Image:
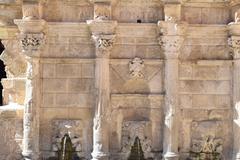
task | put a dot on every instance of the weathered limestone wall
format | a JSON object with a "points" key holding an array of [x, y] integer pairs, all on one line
{"points": [[205, 101], [67, 84], [11, 129], [170, 80]]}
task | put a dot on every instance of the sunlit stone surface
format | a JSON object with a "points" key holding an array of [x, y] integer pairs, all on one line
{"points": [[120, 79]]}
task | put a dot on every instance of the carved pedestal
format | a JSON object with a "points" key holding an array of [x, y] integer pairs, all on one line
{"points": [[234, 42], [31, 41], [171, 42]]}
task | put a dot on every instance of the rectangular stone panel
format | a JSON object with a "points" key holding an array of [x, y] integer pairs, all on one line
{"points": [[205, 87], [68, 70], [48, 99], [136, 100], [147, 10], [74, 100], [205, 70], [48, 70], [199, 15], [55, 85], [88, 70], [185, 101], [77, 85]]}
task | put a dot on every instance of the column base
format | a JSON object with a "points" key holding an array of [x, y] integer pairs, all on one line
{"points": [[171, 156], [29, 155], [236, 156], [100, 156]]}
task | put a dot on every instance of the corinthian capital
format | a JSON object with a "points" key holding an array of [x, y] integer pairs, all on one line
{"points": [[31, 36], [234, 44], [171, 45], [31, 43], [104, 44]]}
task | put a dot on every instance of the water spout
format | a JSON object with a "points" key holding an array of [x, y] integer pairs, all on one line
{"points": [[136, 151], [66, 152]]}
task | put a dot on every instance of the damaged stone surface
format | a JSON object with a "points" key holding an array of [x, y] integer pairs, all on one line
{"points": [[108, 72]]}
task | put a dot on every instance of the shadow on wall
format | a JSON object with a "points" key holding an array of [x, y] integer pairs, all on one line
{"points": [[2, 72]]}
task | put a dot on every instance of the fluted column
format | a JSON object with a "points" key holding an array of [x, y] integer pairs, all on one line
{"points": [[234, 42], [171, 41], [31, 38]]}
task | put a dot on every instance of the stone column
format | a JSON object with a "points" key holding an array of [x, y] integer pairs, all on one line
{"points": [[171, 41], [31, 38], [234, 42], [101, 125], [103, 34]]}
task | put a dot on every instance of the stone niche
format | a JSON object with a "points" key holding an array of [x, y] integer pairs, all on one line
{"points": [[77, 131], [206, 140], [133, 129]]}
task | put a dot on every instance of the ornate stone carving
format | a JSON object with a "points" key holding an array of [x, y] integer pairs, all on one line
{"points": [[171, 19], [206, 138], [207, 144], [171, 45], [103, 43], [234, 44], [31, 42], [208, 147], [136, 68], [73, 128], [133, 129]]}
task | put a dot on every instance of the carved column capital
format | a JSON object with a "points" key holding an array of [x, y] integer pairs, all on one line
{"points": [[31, 43], [171, 45], [171, 37], [234, 40], [234, 44], [31, 36], [103, 44]]}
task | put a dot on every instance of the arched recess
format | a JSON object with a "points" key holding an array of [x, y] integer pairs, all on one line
{"points": [[2, 73]]}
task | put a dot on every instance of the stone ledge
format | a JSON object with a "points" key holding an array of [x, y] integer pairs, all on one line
{"points": [[146, 61], [206, 4], [200, 30], [214, 63], [66, 60], [137, 100], [11, 110]]}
